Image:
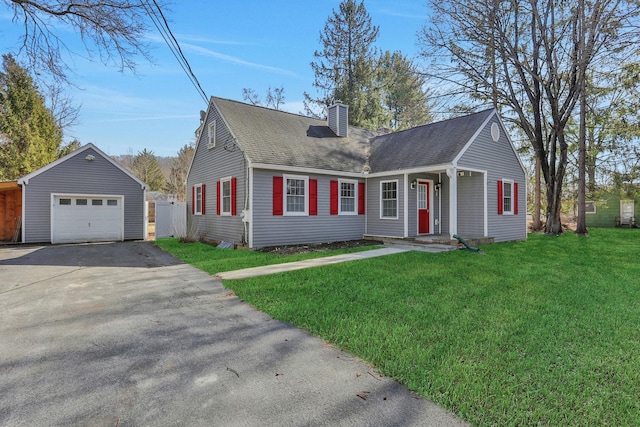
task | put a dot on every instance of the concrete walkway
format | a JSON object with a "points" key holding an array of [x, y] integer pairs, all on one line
{"points": [[298, 265]]}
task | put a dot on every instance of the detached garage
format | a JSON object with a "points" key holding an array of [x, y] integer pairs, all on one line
{"points": [[82, 197]]}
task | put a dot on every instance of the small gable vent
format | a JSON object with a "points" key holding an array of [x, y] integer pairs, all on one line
{"points": [[338, 119]]}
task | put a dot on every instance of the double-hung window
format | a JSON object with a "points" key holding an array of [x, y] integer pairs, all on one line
{"points": [[348, 197], [198, 199], [389, 199], [296, 194], [507, 197], [225, 185], [211, 133]]}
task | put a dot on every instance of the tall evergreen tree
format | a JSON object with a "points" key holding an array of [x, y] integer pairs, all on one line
{"points": [[344, 68], [31, 137], [146, 167], [403, 92]]}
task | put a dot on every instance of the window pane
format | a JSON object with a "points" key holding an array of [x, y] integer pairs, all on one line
{"points": [[389, 199], [198, 199], [112, 203], [226, 196], [81, 202], [96, 202], [295, 195], [348, 197], [506, 197], [65, 202]]}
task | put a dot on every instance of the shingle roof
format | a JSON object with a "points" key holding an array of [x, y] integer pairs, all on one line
{"points": [[431, 144], [284, 139]]}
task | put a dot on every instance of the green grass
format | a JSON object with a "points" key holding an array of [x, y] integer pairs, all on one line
{"points": [[542, 332], [213, 260]]}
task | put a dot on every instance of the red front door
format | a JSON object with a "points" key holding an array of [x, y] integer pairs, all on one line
{"points": [[423, 208]]}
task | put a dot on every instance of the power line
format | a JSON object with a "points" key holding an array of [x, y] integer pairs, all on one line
{"points": [[162, 26]]}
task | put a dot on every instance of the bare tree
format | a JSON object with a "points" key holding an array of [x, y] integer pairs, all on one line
{"points": [[112, 30], [274, 98], [251, 96], [530, 58]]}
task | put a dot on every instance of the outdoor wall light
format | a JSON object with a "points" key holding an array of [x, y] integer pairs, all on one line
{"points": [[413, 184], [438, 185]]}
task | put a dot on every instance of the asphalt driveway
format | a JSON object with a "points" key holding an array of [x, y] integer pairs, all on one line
{"points": [[123, 334]]}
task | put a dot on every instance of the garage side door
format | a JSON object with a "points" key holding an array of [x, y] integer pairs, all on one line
{"points": [[76, 219]]}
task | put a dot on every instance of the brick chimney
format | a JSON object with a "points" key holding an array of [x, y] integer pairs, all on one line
{"points": [[338, 119]]}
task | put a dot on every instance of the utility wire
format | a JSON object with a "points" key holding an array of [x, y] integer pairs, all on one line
{"points": [[162, 26]]}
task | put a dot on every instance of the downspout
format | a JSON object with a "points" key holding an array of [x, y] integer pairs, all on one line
{"points": [[24, 204], [486, 207], [406, 205], [440, 203], [452, 173]]}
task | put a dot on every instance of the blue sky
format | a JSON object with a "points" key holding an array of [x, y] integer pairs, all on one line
{"points": [[230, 45]]}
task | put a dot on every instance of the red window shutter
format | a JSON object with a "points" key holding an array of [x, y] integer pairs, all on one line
{"points": [[361, 199], [277, 195], [217, 197], [233, 196], [333, 200], [193, 200], [313, 197], [203, 199], [515, 198], [500, 202]]}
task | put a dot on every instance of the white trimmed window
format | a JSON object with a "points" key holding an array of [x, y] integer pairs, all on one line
{"points": [[211, 133], [348, 197], [389, 199], [296, 195], [507, 197], [225, 189], [589, 207], [197, 189]]}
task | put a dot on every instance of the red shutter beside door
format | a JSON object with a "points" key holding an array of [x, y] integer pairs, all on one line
{"points": [[313, 197], [233, 196], [193, 200], [277, 195], [361, 199], [500, 197], [515, 198], [333, 201]]}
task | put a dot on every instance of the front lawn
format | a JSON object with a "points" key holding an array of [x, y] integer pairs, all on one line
{"points": [[542, 332], [213, 260]]}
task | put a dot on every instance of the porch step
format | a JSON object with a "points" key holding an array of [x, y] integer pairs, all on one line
{"points": [[437, 242], [419, 245]]}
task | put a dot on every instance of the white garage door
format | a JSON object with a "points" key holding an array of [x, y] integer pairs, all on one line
{"points": [[87, 219]]}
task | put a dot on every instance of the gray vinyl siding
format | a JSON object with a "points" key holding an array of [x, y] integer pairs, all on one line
{"points": [[275, 230], [79, 176], [501, 162], [386, 227], [471, 205], [208, 167]]}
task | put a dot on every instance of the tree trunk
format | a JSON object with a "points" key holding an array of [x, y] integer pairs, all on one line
{"points": [[537, 199], [581, 225]]}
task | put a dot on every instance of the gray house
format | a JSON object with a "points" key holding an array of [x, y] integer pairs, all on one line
{"points": [[84, 196], [262, 177]]}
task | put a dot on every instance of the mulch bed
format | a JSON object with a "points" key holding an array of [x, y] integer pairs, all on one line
{"points": [[317, 247]]}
